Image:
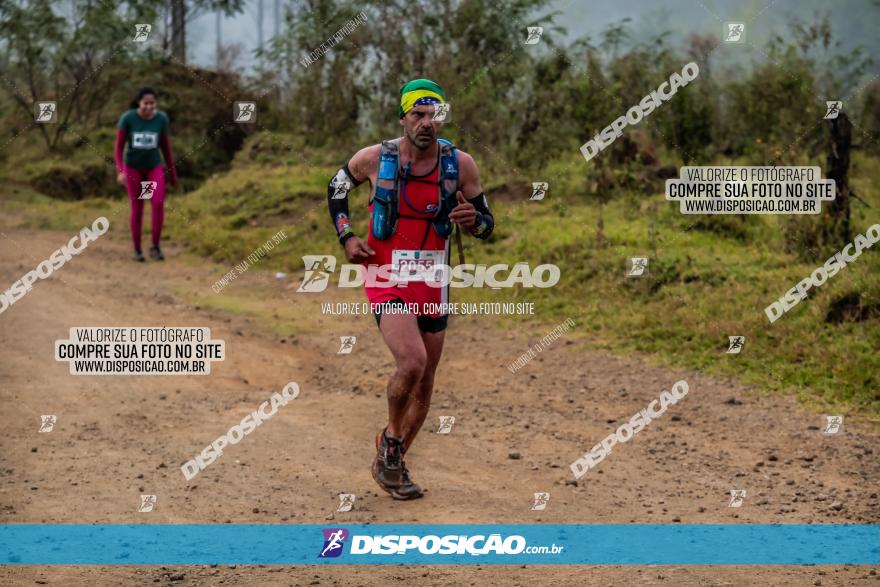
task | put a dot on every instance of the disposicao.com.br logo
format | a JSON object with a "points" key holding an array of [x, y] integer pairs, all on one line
{"points": [[428, 267], [431, 544]]}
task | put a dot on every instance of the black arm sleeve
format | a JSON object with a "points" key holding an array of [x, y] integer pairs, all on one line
{"points": [[337, 202], [482, 228]]}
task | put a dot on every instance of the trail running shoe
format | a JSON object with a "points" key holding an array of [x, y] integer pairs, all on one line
{"points": [[390, 471], [156, 254], [408, 488], [387, 463], [138, 256]]}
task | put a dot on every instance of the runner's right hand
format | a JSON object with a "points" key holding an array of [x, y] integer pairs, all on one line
{"points": [[357, 250], [120, 178]]}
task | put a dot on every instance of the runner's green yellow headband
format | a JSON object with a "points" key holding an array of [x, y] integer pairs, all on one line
{"points": [[418, 92]]}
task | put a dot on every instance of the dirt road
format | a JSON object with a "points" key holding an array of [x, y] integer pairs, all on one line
{"points": [[121, 436]]}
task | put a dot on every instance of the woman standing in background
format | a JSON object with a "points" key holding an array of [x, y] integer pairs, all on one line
{"points": [[145, 128]]}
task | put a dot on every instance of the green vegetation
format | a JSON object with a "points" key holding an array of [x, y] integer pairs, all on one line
{"points": [[709, 278], [522, 112]]}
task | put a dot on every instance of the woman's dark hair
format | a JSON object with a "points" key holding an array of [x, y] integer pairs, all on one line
{"points": [[136, 102]]}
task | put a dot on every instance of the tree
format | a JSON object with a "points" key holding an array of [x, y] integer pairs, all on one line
{"points": [[183, 11], [66, 57]]}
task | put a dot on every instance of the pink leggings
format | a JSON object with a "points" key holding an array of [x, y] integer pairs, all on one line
{"points": [[133, 179]]}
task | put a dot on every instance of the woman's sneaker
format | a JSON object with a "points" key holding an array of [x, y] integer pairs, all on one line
{"points": [[138, 256], [156, 254]]}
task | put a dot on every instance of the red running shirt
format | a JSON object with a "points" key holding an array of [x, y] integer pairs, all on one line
{"points": [[414, 235]]}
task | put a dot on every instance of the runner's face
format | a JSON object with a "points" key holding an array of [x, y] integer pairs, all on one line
{"points": [[421, 131], [147, 106]]}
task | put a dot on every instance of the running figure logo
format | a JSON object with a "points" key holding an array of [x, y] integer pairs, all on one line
{"points": [[47, 423], [534, 36], [346, 344], [832, 424], [142, 32], [245, 112], [341, 185], [833, 107], [734, 32], [637, 266], [334, 540], [441, 111], [147, 503], [541, 501], [44, 112], [736, 344], [148, 188], [318, 270], [446, 423], [736, 498], [539, 190], [346, 502]]}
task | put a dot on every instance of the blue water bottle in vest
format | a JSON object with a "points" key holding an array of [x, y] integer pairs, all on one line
{"points": [[384, 219]]}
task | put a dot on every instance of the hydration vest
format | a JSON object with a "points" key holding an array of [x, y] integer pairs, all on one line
{"points": [[386, 200]]}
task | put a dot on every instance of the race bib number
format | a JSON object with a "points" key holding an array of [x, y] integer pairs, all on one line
{"points": [[144, 140], [416, 265]]}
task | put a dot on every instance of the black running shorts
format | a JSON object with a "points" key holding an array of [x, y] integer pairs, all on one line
{"points": [[426, 323]]}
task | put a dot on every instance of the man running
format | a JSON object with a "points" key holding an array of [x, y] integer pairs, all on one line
{"points": [[420, 187]]}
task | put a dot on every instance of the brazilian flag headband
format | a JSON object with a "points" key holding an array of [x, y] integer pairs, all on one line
{"points": [[418, 92]]}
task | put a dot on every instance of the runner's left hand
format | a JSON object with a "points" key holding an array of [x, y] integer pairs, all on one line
{"points": [[465, 215]]}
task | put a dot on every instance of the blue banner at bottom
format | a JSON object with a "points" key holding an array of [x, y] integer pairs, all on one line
{"points": [[536, 544]]}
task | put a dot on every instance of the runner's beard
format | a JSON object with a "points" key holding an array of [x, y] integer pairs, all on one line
{"points": [[421, 140]]}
